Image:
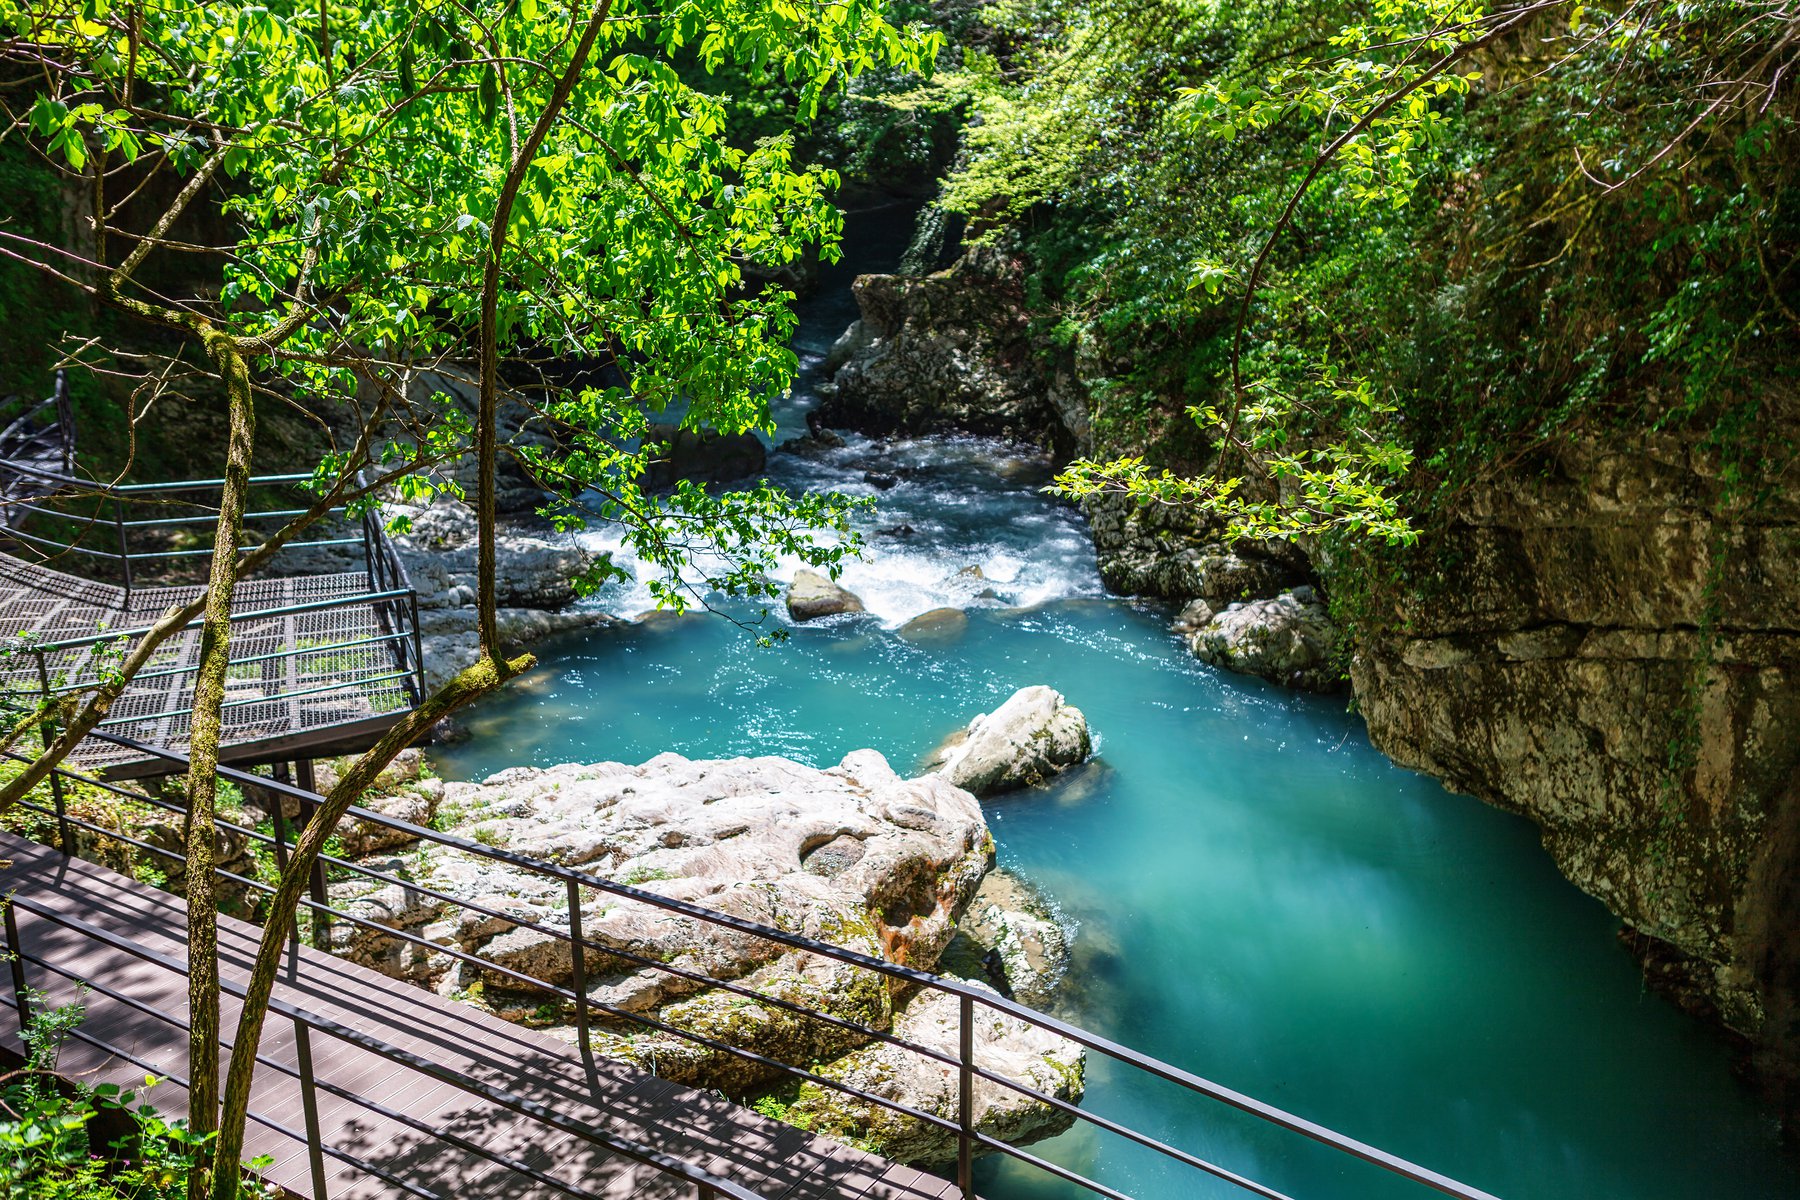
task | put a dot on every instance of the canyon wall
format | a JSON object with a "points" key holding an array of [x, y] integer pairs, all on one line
{"points": [[1609, 647]]}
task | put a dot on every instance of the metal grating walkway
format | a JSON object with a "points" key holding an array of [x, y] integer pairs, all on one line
{"points": [[316, 660]]}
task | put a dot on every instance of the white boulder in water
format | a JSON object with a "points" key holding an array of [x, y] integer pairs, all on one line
{"points": [[1287, 640], [1025, 741], [812, 595]]}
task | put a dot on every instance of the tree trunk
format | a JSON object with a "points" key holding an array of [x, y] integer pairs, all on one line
{"points": [[203, 763], [471, 684]]}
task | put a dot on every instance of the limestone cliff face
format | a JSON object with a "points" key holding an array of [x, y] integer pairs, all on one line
{"points": [[1553, 670], [950, 353], [1558, 669]]}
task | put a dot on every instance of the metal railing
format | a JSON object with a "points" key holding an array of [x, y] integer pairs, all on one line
{"points": [[351, 642], [707, 1186], [971, 999], [119, 530], [391, 654]]}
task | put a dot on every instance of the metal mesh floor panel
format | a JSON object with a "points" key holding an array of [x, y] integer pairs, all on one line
{"points": [[291, 673]]}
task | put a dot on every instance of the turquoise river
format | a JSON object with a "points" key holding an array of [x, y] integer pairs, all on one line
{"points": [[1255, 893]]}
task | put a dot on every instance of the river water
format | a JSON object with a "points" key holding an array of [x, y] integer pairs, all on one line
{"points": [[1255, 894]]}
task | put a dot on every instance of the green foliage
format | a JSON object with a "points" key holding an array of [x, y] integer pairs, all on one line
{"points": [[1525, 224], [363, 166], [49, 1147]]}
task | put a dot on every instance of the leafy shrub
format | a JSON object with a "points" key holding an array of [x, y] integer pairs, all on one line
{"points": [[54, 1142]]}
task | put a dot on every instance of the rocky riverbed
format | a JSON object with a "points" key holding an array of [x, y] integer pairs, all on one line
{"points": [[854, 855]]}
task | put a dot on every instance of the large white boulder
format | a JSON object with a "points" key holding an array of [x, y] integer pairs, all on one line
{"points": [[1025, 741]]}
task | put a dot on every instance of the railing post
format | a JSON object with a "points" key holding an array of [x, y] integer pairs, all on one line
{"points": [[124, 545], [965, 1101], [321, 927], [412, 598], [579, 956], [15, 950], [47, 731], [278, 823], [368, 536], [315, 1151]]}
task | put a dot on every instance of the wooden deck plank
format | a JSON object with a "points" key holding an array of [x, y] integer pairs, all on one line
{"points": [[770, 1158]]}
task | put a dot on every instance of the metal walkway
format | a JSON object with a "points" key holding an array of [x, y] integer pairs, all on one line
{"points": [[410, 1094], [322, 662]]}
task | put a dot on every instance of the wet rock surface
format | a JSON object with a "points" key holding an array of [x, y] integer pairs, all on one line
{"points": [[1288, 640], [1025, 741], [812, 596]]}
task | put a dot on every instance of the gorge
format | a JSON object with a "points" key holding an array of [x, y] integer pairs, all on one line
{"points": [[1250, 889]]}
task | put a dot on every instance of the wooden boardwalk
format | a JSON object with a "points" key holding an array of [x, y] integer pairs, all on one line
{"points": [[767, 1157]]}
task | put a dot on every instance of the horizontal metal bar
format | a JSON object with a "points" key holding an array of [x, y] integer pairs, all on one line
{"points": [[1142, 1139], [200, 485], [14, 532], [211, 518], [1044, 1164], [626, 1147], [329, 687], [94, 488], [377, 640], [147, 554], [237, 618]]}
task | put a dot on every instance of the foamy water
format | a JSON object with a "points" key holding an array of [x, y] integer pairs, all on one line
{"points": [[966, 526]]}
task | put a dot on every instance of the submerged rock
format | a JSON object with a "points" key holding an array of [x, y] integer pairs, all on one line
{"points": [[1026, 740], [1012, 940], [1287, 640], [703, 456], [811, 595], [937, 626]]}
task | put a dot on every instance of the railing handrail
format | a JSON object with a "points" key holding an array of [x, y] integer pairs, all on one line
{"points": [[625, 1147], [968, 994], [253, 614], [99, 488]]}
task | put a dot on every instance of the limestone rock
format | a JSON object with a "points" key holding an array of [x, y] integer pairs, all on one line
{"points": [[854, 856], [811, 595], [1005, 1045], [1026, 740], [1287, 640]]}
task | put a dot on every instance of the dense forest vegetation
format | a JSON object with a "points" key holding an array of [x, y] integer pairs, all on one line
{"points": [[1585, 217]]}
